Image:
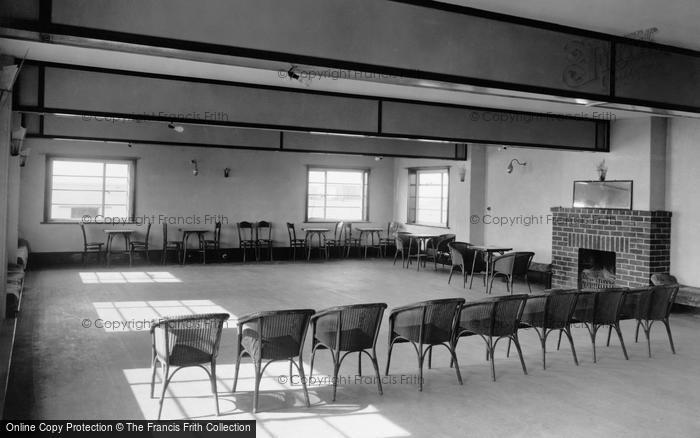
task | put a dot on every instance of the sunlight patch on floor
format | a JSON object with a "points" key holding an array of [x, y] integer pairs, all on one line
{"points": [[111, 277]]}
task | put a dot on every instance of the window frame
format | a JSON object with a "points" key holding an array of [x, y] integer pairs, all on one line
{"points": [[365, 193], [48, 184], [412, 201]]}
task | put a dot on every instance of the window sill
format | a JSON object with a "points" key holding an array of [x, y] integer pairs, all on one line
{"points": [[429, 226]]}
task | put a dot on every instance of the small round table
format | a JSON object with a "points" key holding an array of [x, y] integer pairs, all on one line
{"points": [[320, 233], [126, 234]]}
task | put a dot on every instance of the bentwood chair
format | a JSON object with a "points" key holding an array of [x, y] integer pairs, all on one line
{"points": [[90, 247], [246, 237], [336, 242], [212, 244], [547, 313], [263, 238], [661, 300], [272, 336], [140, 245], [186, 341], [458, 257], [492, 319], [402, 241], [294, 242], [425, 325], [436, 249], [347, 329], [391, 231], [599, 308], [351, 242], [170, 245]]}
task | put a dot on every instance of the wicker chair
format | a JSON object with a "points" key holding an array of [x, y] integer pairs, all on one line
{"points": [[186, 341], [348, 329], [273, 335], [427, 323], [478, 264], [436, 249], [294, 242], [598, 308], [547, 313], [90, 247], [402, 241], [635, 305], [661, 300], [141, 245], [498, 318], [170, 245], [263, 239], [511, 265], [459, 257]]}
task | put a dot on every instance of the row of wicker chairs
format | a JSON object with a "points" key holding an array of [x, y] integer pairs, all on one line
{"points": [[280, 335]]}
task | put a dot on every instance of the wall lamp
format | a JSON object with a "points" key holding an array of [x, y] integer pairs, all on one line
{"points": [[177, 128], [195, 169], [227, 171], [509, 169], [16, 140]]}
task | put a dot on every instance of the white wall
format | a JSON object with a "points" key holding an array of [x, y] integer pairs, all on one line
{"points": [[682, 182], [262, 186], [524, 198]]}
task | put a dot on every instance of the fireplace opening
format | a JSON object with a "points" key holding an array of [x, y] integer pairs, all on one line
{"points": [[596, 269]]}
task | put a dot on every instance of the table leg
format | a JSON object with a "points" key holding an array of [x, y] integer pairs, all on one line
{"points": [[109, 250], [185, 237], [127, 240], [203, 246]]}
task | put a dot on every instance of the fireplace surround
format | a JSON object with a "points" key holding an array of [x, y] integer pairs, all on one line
{"points": [[640, 241]]}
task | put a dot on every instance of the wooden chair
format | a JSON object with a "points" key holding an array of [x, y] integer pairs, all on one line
{"points": [[246, 237], [351, 242], [391, 231], [425, 324], [212, 244], [141, 245], [295, 242], [170, 245], [186, 341], [402, 242], [336, 242], [263, 238], [548, 313], [347, 329], [273, 336], [90, 247], [492, 319]]}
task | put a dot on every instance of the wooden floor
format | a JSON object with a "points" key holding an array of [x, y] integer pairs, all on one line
{"points": [[63, 370]]}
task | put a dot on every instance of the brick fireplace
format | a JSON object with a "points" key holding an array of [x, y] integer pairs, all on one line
{"points": [[640, 241]]}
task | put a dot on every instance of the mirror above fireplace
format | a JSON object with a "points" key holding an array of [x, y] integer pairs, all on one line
{"points": [[603, 194]]}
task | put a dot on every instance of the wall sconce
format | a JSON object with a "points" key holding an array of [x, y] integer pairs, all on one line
{"points": [[509, 169], [16, 141], [177, 128], [23, 157], [462, 173], [195, 169], [227, 171]]}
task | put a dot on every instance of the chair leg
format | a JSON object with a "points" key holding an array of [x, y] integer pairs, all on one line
{"points": [[164, 387], [527, 280], [670, 337], [456, 364], [559, 341], [359, 363], [336, 368], [489, 353], [592, 332], [311, 365], [647, 330], [153, 375], [430, 357], [258, 377], [300, 367], [609, 333], [622, 342], [567, 330], [373, 356], [214, 390], [420, 366], [636, 331], [450, 277], [388, 358], [520, 352], [235, 373]]}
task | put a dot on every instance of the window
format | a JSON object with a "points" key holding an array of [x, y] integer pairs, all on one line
{"points": [[428, 191], [337, 194], [77, 188]]}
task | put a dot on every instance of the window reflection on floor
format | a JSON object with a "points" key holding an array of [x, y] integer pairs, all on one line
{"points": [[110, 277], [125, 316], [282, 408]]}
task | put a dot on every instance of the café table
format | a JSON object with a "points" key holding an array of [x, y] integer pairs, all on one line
{"points": [[199, 232], [320, 233], [420, 240], [126, 235], [369, 233], [488, 251]]}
